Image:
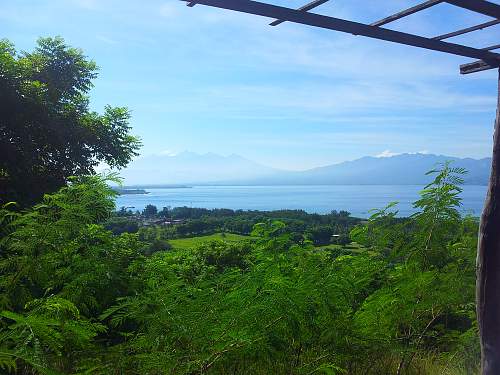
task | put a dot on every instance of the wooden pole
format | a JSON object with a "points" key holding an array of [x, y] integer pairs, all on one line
{"points": [[488, 264]]}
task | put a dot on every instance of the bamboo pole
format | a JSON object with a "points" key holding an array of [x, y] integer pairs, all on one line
{"points": [[488, 264]]}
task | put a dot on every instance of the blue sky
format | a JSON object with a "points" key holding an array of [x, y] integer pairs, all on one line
{"points": [[209, 80]]}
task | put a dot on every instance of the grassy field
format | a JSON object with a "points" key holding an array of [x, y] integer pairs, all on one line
{"points": [[190, 242], [353, 247]]}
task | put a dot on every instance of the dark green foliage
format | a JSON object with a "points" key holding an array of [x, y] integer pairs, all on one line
{"points": [[342, 240], [320, 235], [47, 131], [60, 269], [157, 245], [121, 224], [150, 211], [51, 330]]}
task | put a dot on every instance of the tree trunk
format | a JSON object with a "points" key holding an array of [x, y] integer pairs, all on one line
{"points": [[488, 264]]}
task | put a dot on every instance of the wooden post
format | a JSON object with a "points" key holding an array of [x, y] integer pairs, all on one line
{"points": [[488, 264]]}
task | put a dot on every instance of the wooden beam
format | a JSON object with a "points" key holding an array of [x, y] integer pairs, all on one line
{"points": [[305, 8], [479, 6], [488, 264], [356, 28], [467, 30], [478, 66], [407, 12], [491, 48]]}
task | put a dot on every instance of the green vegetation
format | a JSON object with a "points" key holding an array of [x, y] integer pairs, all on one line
{"points": [[192, 242], [180, 222], [88, 290], [78, 299]]}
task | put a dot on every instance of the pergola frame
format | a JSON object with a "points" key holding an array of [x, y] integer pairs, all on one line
{"points": [[488, 255]]}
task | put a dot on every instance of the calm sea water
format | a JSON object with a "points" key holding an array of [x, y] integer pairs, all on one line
{"points": [[357, 199]]}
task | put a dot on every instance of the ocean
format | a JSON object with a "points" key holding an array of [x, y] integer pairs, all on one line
{"points": [[357, 199]]}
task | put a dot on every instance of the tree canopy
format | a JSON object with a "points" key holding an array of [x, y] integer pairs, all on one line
{"points": [[47, 130]]}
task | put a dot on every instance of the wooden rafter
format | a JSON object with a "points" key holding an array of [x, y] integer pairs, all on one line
{"points": [[479, 6], [406, 12], [467, 30], [491, 48], [476, 66], [305, 8]]}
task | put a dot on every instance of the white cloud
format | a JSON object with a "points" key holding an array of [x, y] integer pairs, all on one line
{"points": [[386, 154], [389, 153]]}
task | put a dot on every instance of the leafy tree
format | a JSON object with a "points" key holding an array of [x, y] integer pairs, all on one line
{"points": [[150, 211], [342, 240], [59, 270], [438, 220], [47, 131], [428, 299], [124, 211], [321, 234], [121, 224], [51, 327], [165, 212]]}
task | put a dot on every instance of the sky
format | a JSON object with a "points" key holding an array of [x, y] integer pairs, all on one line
{"points": [[293, 97]]}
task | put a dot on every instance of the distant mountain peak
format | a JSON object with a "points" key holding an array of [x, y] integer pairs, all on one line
{"points": [[190, 167], [390, 154]]}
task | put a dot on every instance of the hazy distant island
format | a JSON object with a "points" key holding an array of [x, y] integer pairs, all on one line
{"points": [[141, 189], [157, 186], [125, 191]]}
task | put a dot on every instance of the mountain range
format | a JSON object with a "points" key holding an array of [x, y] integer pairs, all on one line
{"points": [[193, 168]]}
